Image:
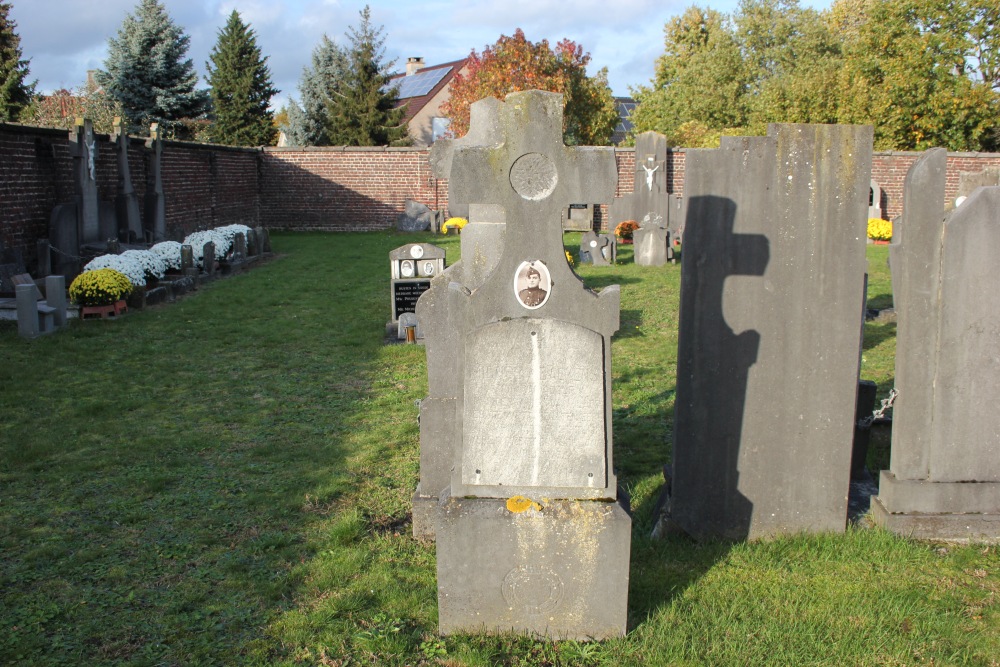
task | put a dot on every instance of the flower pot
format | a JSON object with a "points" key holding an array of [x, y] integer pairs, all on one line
{"points": [[878, 242]]}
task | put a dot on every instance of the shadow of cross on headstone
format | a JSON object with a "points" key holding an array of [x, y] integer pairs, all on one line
{"points": [[537, 378]]}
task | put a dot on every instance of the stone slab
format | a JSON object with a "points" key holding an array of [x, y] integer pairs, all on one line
{"points": [[932, 497], [561, 572], [964, 528]]}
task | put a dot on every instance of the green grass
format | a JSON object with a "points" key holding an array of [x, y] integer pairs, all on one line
{"points": [[226, 480]]}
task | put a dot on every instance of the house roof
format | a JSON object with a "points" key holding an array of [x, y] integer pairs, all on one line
{"points": [[625, 107], [419, 88]]}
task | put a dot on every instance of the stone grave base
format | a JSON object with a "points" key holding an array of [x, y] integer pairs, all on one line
{"points": [[426, 511], [561, 571], [950, 511]]}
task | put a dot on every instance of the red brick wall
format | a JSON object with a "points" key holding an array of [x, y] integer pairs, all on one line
{"points": [[332, 189], [345, 189], [204, 186]]}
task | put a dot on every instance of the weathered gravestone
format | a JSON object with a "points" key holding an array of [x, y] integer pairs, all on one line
{"points": [[156, 212], [531, 538], [943, 480], [83, 148], [127, 202], [651, 242], [772, 290], [649, 199], [482, 244], [412, 267], [417, 217], [874, 200], [598, 249]]}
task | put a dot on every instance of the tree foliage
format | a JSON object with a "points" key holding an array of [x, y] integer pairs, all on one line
{"points": [[15, 92], [306, 124], [364, 111], [147, 73], [514, 63], [241, 88], [923, 72], [63, 107]]}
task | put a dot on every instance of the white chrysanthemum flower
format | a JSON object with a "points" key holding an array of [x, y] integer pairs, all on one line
{"points": [[170, 252], [133, 269], [153, 264]]}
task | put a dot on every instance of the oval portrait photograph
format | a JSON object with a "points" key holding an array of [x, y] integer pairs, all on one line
{"points": [[532, 284]]}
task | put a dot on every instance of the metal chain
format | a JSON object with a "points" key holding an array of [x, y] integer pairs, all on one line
{"points": [[877, 414], [65, 254]]}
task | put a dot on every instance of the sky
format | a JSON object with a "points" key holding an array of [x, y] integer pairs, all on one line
{"points": [[65, 38]]}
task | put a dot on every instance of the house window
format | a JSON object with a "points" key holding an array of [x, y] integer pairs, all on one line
{"points": [[439, 128]]}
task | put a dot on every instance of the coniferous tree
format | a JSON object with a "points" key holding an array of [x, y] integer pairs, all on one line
{"points": [[364, 113], [319, 83], [146, 70], [15, 94], [241, 88]]}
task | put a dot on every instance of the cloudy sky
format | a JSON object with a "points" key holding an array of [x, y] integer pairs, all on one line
{"points": [[65, 38]]}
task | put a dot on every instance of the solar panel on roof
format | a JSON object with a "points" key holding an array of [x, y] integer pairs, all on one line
{"points": [[419, 84], [625, 110]]}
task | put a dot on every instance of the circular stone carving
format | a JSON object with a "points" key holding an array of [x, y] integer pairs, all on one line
{"points": [[533, 176], [532, 589]]}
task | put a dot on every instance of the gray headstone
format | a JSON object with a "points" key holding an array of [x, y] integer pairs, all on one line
{"points": [[187, 257], [239, 247], [27, 311], [649, 195], [155, 222], [772, 291], [874, 200], [208, 258], [55, 297], [407, 320], [598, 249], [944, 476], [412, 268], [651, 242], [534, 401], [579, 218], [64, 236], [968, 182], [265, 240], [127, 202], [83, 148]]}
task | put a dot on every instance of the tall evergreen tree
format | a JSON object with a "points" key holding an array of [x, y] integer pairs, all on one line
{"points": [[241, 88], [15, 94], [319, 83], [365, 113], [146, 70]]}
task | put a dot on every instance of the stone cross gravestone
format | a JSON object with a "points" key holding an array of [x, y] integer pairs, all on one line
{"points": [[531, 538], [598, 249], [649, 198], [943, 481], [651, 242], [127, 202], [83, 148], [772, 292], [875, 200], [412, 267]]}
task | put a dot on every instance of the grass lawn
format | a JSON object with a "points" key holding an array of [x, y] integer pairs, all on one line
{"points": [[226, 480]]}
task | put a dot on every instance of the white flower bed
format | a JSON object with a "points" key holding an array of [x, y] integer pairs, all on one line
{"points": [[170, 252], [230, 232], [151, 262], [133, 269], [197, 241]]}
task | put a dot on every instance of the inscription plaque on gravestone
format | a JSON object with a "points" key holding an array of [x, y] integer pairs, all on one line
{"points": [[412, 267]]}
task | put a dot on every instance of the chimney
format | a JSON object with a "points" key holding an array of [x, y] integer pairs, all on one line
{"points": [[414, 65]]}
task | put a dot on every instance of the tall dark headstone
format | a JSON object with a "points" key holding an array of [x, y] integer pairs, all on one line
{"points": [[155, 222], [83, 148], [943, 480], [126, 202], [531, 538], [649, 199], [772, 289]]}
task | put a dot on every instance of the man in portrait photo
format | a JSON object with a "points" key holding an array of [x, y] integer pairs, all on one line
{"points": [[532, 295]]}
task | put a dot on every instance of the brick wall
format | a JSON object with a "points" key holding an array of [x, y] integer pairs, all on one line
{"points": [[204, 186], [330, 189], [345, 189]]}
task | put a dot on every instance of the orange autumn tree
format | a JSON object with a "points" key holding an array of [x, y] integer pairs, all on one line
{"points": [[514, 64]]}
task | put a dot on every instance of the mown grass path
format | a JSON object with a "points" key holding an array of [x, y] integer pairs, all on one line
{"points": [[226, 480]]}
